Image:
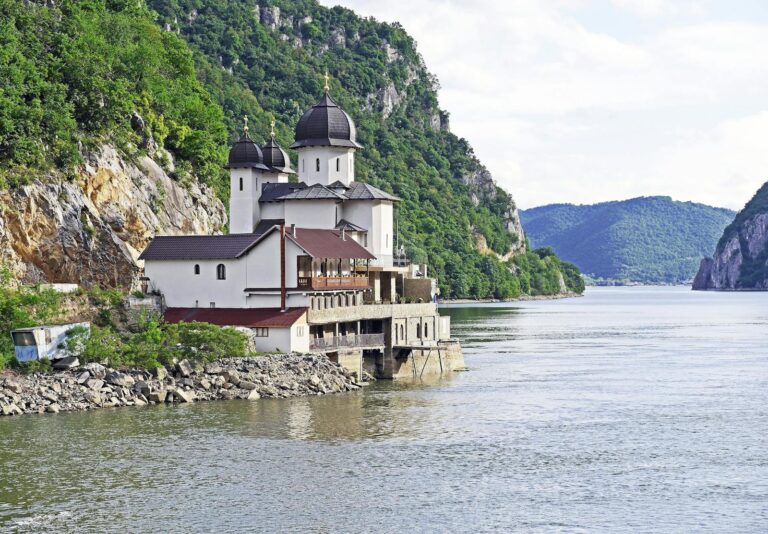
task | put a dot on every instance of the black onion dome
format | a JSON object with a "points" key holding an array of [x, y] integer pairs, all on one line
{"points": [[276, 158], [325, 124], [246, 154]]}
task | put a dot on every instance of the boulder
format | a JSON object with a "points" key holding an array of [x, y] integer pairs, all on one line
{"points": [[96, 369], [231, 376], [213, 368], [13, 384], [184, 368], [244, 384], [160, 373], [69, 362], [158, 396], [184, 395], [53, 408], [51, 396], [254, 395], [94, 384], [116, 378], [142, 387], [83, 377]]}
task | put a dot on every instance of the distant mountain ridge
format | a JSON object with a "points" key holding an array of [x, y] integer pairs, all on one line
{"points": [[741, 258], [641, 240]]}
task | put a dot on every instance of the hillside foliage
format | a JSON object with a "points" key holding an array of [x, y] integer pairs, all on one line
{"points": [[73, 74], [645, 240]]}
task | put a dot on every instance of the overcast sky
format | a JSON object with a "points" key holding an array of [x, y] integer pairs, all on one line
{"points": [[585, 101]]}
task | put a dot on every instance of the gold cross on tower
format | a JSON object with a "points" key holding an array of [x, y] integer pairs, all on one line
{"points": [[245, 124], [327, 81], [272, 128]]}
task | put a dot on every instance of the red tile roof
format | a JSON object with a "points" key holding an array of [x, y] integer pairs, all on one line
{"points": [[250, 317], [328, 244]]}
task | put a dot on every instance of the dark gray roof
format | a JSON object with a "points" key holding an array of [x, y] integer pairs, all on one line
{"points": [[273, 191], [266, 224], [361, 191], [350, 227], [338, 184], [199, 247], [276, 158], [246, 154], [325, 124], [313, 192]]}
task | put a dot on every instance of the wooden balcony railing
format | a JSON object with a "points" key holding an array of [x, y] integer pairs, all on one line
{"points": [[333, 282], [350, 341]]}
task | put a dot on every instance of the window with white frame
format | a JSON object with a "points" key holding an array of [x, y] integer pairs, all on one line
{"points": [[300, 331], [261, 332]]}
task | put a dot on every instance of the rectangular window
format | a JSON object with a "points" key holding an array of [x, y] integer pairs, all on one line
{"points": [[24, 339], [241, 184], [300, 331], [338, 162], [261, 332], [213, 304]]}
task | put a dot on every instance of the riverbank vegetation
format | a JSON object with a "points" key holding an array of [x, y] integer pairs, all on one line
{"points": [[118, 337]]}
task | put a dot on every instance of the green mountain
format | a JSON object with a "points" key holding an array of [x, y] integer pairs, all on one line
{"points": [[646, 240], [115, 119], [741, 257]]}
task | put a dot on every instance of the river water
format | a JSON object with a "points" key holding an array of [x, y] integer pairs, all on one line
{"points": [[626, 410]]}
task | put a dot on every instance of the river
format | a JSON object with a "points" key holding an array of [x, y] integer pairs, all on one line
{"points": [[626, 410]]}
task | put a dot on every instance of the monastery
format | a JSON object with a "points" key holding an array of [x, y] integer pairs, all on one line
{"points": [[310, 264]]}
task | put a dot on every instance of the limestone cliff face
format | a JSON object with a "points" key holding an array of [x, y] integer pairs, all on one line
{"points": [[741, 257], [483, 189], [91, 230]]}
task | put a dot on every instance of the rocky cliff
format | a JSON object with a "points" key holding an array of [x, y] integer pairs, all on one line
{"points": [[741, 258], [91, 230]]}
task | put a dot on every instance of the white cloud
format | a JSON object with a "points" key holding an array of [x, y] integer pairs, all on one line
{"points": [[565, 105]]}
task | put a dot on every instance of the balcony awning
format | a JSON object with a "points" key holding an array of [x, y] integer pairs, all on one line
{"points": [[328, 244]]}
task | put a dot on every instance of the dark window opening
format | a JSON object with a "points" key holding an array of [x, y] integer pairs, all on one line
{"points": [[338, 164], [197, 269], [241, 184], [317, 164], [221, 272]]}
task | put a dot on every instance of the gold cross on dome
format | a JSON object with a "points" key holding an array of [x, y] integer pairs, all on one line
{"points": [[327, 81], [245, 124], [272, 128]]}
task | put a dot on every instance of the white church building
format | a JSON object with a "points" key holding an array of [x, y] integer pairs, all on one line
{"points": [[309, 263]]}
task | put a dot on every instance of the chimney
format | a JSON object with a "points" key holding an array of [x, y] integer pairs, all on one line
{"points": [[343, 234], [293, 230], [282, 267]]}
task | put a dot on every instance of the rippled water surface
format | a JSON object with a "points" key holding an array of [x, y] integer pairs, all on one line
{"points": [[627, 410]]}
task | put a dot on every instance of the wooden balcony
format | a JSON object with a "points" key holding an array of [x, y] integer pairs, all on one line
{"points": [[333, 282]]}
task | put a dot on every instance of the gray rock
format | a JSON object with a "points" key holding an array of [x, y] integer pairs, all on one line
{"points": [[213, 368], [96, 369], [158, 396], [116, 378], [53, 408], [69, 362], [205, 384], [184, 395], [83, 377], [13, 384], [142, 387], [254, 395], [184, 368], [159, 373], [51, 396], [93, 397], [94, 383], [244, 384]]}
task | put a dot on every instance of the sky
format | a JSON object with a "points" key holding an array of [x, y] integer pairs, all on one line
{"points": [[586, 101]]}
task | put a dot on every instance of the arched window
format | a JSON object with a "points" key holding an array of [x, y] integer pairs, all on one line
{"points": [[241, 184], [338, 164], [317, 164], [197, 269], [402, 332], [221, 272], [426, 331]]}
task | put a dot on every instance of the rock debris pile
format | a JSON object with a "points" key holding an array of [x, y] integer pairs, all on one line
{"points": [[95, 386]]}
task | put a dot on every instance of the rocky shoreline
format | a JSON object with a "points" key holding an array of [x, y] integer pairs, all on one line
{"points": [[95, 386]]}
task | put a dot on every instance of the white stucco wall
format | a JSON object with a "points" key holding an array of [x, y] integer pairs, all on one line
{"points": [[272, 210], [328, 174], [312, 213], [377, 217], [182, 288], [243, 205]]}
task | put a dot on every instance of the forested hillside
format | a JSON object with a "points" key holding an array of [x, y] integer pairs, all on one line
{"points": [[647, 240], [168, 83]]}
